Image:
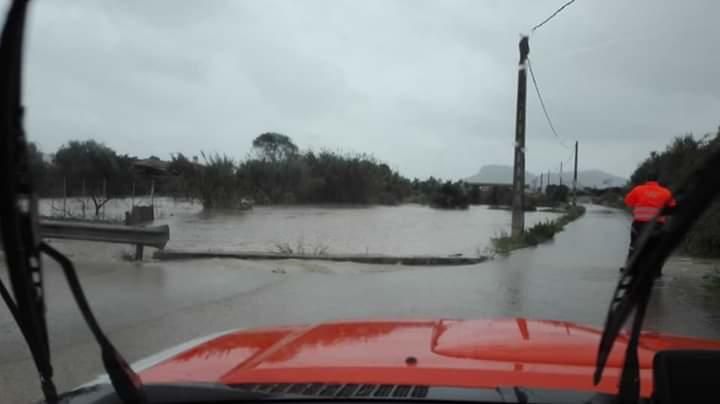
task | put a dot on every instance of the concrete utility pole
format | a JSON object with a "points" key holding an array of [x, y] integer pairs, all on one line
{"points": [[560, 175], [518, 201], [574, 199]]}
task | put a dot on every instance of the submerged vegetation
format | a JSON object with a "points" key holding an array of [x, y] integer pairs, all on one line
{"points": [[537, 234], [301, 249]]}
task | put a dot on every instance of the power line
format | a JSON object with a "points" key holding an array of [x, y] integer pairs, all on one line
{"points": [[552, 15], [542, 104]]}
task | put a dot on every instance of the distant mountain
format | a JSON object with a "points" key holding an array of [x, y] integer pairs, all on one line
{"points": [[600, 179], [495, 174], [502, 175]]}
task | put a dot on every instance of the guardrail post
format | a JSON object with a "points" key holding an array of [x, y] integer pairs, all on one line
{"points": [[138, 252]]}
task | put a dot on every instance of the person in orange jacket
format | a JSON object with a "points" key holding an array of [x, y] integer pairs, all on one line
{"points": [[647, 201]]}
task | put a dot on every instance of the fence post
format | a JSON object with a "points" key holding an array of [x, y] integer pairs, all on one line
{"points": [[82, 198], [104, 196], [152, 196], [64, 196]]}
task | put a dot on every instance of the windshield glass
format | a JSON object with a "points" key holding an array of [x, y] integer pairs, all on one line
{"points": [[233, 165]]}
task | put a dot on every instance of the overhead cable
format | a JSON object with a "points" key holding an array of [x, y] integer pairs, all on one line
{"points": [[570, 157], [542, 104], [552, 15]]}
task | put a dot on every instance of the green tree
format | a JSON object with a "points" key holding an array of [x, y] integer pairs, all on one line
{"points": [[450, 196], [93, 164], [39, 168], [274, 146], [185, 176], [475, 195], [673, 164], [557, 193]]}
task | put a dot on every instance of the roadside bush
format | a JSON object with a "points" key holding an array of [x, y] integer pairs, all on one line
{"points": [[704, 238], [450, 196], [503, 243], [537, 234], [218, 186], [672, 165], [541, 232]]}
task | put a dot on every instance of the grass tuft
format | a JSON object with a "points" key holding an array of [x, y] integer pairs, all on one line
{"points": [[301, 248]]}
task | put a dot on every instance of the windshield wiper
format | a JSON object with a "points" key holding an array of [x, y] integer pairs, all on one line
{"points": [[19, 226], [17, 204], [634, 288], [125, 381]]}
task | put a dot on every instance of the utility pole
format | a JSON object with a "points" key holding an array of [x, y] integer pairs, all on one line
{"points": [[575, 176], [541, 181], [518, 201], [560, 174]]}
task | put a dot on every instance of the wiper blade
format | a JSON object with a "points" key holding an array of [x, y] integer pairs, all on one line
{"points": [[18, 222], [635, 285]]}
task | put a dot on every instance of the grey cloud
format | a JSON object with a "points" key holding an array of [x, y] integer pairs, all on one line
{"points": [[428, 86]]}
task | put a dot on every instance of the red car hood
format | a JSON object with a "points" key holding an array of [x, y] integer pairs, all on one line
{"points": [[480, 353]]}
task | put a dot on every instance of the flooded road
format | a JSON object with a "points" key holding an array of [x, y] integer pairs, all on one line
{"points": [[151, 306], [394, 230]]}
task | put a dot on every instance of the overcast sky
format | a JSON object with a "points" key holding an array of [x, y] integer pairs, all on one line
{"points": [[427, 86]]}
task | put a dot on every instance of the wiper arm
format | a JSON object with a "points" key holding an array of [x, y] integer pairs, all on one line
{"points": [[125, 381], [635, 285]]}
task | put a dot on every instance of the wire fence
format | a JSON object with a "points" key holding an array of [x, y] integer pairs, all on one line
{"points": [[78, 199]]}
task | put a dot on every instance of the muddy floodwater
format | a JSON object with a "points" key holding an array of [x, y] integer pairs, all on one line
{"points": [[150, 306], [398, 230]]}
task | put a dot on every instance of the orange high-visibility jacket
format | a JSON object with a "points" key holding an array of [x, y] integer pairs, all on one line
{"points": [[647, 200]]}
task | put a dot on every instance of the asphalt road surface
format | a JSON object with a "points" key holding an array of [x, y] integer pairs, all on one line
{"points": [[154, 305]]}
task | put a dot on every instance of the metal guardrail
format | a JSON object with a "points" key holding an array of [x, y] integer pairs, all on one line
{"points": [[153, 236]]}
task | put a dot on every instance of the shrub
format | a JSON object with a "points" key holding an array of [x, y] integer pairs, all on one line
{"points": [[672, 165], [537, 234]]}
